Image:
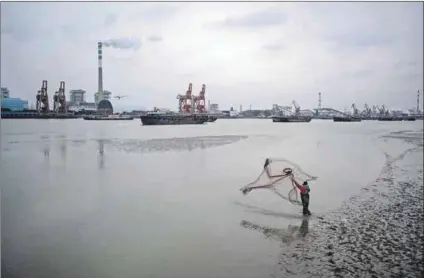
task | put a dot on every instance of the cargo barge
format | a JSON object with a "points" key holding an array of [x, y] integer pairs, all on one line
{"points": [[212, 119], [390, 119], [291, 119], [173, 119], [347, 119], [396, 119], [108, 118], [34, 115]]}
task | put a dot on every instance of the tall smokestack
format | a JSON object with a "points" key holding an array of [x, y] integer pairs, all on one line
{"points": [[99, 55]]}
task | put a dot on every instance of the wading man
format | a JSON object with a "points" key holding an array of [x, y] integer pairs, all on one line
{"points": [[304, 195]]}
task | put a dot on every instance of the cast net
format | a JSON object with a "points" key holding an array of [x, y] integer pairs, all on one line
{"points": [[276, 176]]}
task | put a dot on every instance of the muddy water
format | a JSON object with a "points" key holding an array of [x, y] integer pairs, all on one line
{"points": [[87, 199]]}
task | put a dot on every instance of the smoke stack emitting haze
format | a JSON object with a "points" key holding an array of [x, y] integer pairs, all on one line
{"points": [[122, 43]]}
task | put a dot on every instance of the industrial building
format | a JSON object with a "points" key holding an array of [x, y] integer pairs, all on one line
{"points": [[105, 107], [12, 104], [5, 93], [77, 101], [76, 96], [102, 95]]}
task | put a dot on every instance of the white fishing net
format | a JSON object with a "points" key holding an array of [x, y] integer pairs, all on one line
{"points": [[276, 176]]}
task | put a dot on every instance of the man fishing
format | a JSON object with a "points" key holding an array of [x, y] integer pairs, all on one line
{"points": [[304, 195]]}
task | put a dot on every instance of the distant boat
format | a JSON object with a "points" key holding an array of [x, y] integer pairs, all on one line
{"points": [[108, 118], [173, 119], [291, 119], [32, 114], [390, 118], [212, 119], [347, 119]]}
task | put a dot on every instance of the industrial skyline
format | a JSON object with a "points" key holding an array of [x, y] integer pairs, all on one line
{"points": [[267, 52]]}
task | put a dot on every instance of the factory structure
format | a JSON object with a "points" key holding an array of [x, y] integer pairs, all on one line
{"points": [[102, 97], [60, 104], [188, 103], [12, 103]]}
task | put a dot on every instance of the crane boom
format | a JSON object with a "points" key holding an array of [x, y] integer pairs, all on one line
{"points": [[296, 107]]}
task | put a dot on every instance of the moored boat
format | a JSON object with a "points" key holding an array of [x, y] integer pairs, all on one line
{"points": [[173, 119], [347, 119], [291, 119], [108, 118]]}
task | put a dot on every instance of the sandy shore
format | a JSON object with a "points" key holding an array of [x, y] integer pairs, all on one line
{"points": [[378, 233]]}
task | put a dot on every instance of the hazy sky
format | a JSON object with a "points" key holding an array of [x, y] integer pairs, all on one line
{"points": [[245, 53]]}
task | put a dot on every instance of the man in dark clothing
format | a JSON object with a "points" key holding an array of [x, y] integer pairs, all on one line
{"points": [[304, 195]]}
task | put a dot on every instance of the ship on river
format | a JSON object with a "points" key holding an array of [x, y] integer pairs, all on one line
{"points": [[171, 118], [108, 118], [291, 119], [285, 115], [191, 111], [346, 119]]}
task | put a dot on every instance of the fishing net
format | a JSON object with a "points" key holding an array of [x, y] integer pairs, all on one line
{"points": [[276, 176]]}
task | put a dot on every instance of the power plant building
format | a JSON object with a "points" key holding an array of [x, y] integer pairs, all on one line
{"points": [[105, 107], [104, 95], [76, 97], [77, 101]]}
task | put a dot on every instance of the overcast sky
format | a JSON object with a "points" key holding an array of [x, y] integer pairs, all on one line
{"points": [[246, 53]]}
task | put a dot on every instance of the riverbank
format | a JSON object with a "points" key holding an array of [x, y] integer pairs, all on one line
{"points": [[378, 233]]}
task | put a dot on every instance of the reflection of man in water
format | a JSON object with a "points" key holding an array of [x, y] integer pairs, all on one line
{"points": [[287, 236], [101, 152], [304, 227]]}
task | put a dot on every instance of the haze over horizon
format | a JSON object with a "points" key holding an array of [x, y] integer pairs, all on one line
{"points": [[246, 53]]}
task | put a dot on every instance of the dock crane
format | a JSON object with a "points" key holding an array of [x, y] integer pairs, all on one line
{"points": [[367, 110], [355, 110], [185, 102], [296, 108], [59, 99], [119, 97], [383, 111], [42, 104]]}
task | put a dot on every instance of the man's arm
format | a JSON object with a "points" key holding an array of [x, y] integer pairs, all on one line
{"points": [[301, 187]]}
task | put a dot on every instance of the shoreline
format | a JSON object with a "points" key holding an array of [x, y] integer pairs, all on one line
{"points": [[378, 233]]}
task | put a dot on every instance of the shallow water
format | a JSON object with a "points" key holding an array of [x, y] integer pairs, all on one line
{"points": [[117, 199]]}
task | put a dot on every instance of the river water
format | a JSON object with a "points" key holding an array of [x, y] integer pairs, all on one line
{"points": [[118, 199]]}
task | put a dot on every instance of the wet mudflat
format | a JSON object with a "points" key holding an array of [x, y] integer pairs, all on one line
{"points": [[378, 233], [82, 199]]}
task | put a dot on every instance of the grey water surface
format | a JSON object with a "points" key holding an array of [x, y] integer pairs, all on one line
{"points": [[118, 199]]}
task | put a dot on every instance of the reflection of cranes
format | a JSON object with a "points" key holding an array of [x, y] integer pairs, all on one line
{"points": [[119, 97], [63, 150]]}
